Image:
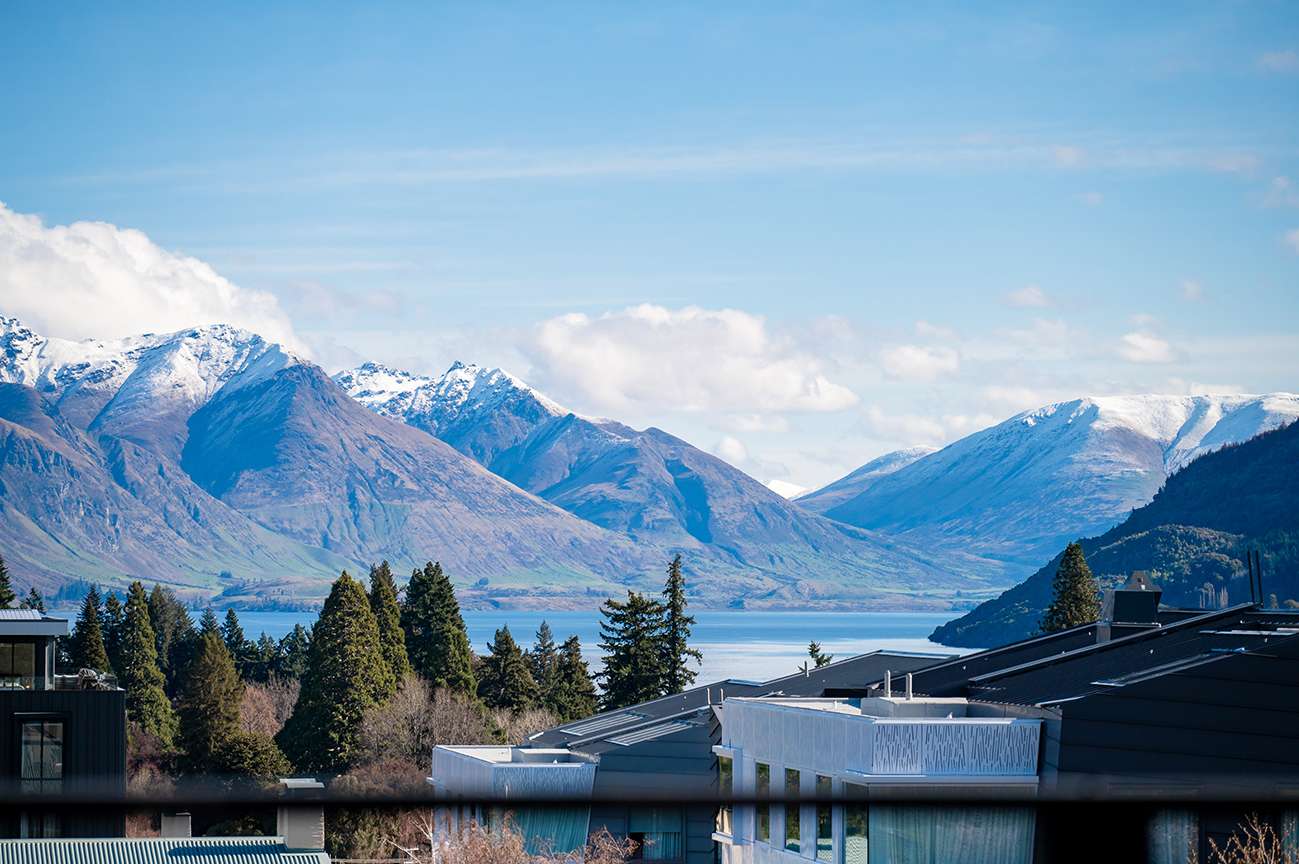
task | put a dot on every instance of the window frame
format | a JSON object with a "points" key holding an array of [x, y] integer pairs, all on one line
{"points": [[793, 779], [762, 810], [43, 785]]}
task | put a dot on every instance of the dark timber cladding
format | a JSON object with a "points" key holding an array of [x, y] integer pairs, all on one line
{"points": [[94, 754]]}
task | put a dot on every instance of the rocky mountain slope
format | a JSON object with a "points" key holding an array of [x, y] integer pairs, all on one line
{"points": [[1015, 493], [856, 482], [1192, 537]]}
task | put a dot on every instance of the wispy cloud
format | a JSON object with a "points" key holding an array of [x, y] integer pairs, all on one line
{"points": [[1143, 346], [1030, 296], [1192, 291], [1279, 61], [1292, 239]]}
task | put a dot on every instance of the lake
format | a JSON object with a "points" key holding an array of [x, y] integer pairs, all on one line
{"points": [[750, 645]]}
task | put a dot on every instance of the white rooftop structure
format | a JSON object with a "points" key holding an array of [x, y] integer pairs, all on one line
{"points": [[498, 773]]}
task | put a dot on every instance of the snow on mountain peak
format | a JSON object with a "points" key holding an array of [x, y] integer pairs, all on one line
{"points": [[189, 365], [432, 403]]}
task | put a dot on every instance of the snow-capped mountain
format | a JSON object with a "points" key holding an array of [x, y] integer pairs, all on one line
{"points": [[1015, 493], [644, 484], [141, 387], [858, 481], [479, 411], [219, 462]]}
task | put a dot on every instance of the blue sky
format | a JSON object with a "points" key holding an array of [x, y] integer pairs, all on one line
{"points": [[797, 236]]}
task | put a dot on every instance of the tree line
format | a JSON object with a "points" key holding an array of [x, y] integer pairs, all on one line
{"points": [[186, 682]]}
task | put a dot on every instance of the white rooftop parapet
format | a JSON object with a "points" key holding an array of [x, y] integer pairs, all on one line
{"points": [[928, 738], [511, 772]]}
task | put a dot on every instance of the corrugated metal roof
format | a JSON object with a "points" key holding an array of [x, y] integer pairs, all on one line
{"points": [[153, 850], [602, 722], [19, 615], [649, 733]]}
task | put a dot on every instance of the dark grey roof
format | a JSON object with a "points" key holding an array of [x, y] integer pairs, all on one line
{"points": [[594, 734], [153, 850]]}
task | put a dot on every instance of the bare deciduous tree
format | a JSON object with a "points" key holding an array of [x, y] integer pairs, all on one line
{"points": [[1253, 842], [517, 726], [419, 842], [266, 706], [415, 719]]}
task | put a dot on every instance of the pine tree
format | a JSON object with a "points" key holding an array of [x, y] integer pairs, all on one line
{"points": [[505, 681], [383, 602], [574, 691], [436, 640], [346, 674], [209, 703], [236, 643], [140, 677], [819, 657], [292, 652], [87, 648], [262, 655], [207, 623], [631, 635], [174, 631], [676, 632], [543, 661], [1075, 598], [114, 626], [34, 600], [7, 596]]}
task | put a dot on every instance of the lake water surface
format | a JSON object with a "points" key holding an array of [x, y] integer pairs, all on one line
{"points": [[751, 645]]}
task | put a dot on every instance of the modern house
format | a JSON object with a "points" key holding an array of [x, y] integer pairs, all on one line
{"points": [[60, 735], [646, 772], [1189, 717]]}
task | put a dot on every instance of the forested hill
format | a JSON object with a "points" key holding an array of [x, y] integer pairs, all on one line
{"points": [[1192, 537]]}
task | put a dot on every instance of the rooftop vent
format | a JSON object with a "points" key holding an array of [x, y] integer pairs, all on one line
{"points": [[1130, 608]]}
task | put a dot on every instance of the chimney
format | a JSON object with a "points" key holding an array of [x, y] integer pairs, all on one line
{"points": [[300, 818], [174, 825], [888, 684], [1130, 609], [908, 686]]}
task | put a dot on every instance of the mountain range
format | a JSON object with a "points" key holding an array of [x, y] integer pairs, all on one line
{"points": [[1192, 537], [1016, 493], [219, 462]]}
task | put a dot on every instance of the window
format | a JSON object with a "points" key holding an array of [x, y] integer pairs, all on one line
{"points": [[17, 665], [763, 774], [42, 757], [725, 785], [823, 823], [657, 833], [854, 824], [793, 836]]}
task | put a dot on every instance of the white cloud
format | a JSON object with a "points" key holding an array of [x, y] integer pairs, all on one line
{"points": [[919, 362], [1192, 290], [785, 489], [1281, 193], [95, 279], [1292, 239], [688, 359], [1030, 296], [908, 430], [731, 449], [1142, 346], [1279, 61], [1013, 398]]}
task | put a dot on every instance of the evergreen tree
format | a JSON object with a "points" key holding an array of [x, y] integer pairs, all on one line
{"points": [[543, 660], [1076, 596], [292, 652], [505, 681], [436, 640], [262, 655], [383, 602], [207, 623], [573, 696], [34, 600], [346, 674], [7, 596], [631, 635], [209, 703], [174, 632], [819, 657], [114, 626], [87, 647], [236, 643], [676, 633], [140, 677]]}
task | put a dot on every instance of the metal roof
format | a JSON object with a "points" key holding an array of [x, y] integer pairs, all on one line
{"points": [[156, 850], [19, 615], [647, 734]]}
